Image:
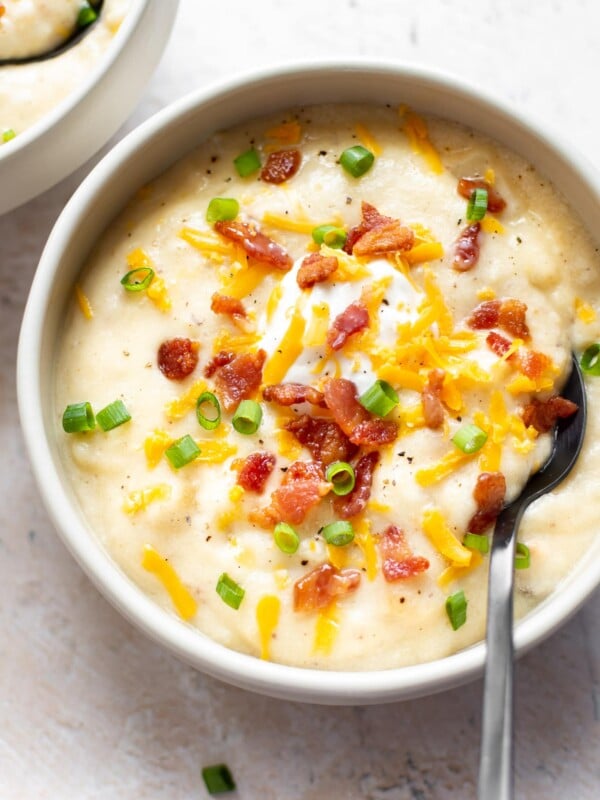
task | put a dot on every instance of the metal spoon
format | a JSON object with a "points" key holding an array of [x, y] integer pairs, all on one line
{"points": [[496, 774], [78, 33]]}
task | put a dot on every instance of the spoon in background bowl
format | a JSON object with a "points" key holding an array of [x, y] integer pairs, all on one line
{"points": [[85, 19], [496, 774]]}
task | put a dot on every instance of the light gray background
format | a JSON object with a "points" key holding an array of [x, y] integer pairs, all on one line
{"points": [[89, 708]]}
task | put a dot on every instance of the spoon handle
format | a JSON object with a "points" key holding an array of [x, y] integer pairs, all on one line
{"points": [[496, 775]]}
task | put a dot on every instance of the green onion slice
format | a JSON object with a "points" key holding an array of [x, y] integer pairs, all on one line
{"points": [[357, 160], [247, 163], [137, 279], [522, 556], [590, 360], [222, 208], [218, 779], [339, 533], [229, 591], [182, 452], [247, 417], [456, 608], [341, 475], [470, 438], [86, 16], [78, 417], [208, 423], [477, 205], [286, 538], [8, 134], [379, 399], [330, 235], [477, 541], [113, 415]]}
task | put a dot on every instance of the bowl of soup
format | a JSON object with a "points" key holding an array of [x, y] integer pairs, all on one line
{"points": [[290, 348]]}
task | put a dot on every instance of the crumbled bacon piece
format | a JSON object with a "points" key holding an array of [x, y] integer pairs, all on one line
{"points": [[281, 166], [255, 244], [354, 420], [237, 377], [302, 487], [532, 363], [177, 358], [488, 493], [433, 410], [507, 314], [349, 505], [353, 319], [323, 437], [499, 344], [389, 238], [466, 252], [255, 470], [291, 394], [230, 306], [485, 315], [496, 202], [371, 218], [398, 562], [315, 268], [322, 585], [543, 414]]}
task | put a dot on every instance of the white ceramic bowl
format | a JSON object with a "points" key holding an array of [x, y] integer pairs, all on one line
{"points": [[78, 126], [140, 157]]}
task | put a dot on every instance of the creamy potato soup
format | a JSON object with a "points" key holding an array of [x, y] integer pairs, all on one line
{"points": [[304, 369], [31, 28]]}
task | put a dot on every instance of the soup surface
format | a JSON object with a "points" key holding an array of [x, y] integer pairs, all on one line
{"points": [[371, 391]]}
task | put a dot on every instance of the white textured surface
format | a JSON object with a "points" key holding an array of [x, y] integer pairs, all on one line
{"points": [[89, 708]]}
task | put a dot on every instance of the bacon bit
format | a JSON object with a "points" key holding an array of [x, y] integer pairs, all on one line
{"points": [[281, 166], [348, 506], [322, 585], [323, 438], [302, 487], [433, 410], [498, 344], [543, 414], [354, 420], [291, 394], [489, 493], [177, 358], [533, 364], [230, 306], [466, 253], [398, 561], [2, 9], [255, 244], [371, 218], [355, 318], [496, 202], [389, 238], [315, 268], [255, 470], [508, 314], [237, 377]]}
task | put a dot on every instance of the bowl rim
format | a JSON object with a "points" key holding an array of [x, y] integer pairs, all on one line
{"points": [[189, 644]]}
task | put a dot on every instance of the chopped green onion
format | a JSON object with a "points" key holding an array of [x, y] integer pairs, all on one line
{"points": [[522, 556], [357, 160], [222, 208], [338, 533], [182, 452], [113, 415], [342, 476], [379, 399], [229, 591], [247, 163], [208, 423], [218, 779], [86, 16], [78, 417], [477, 205], [329, 235], [137, 279], [590, 360], [8, 134], [286, 538], [456, 608], [247, 417], [470, 438], [477, 541]]}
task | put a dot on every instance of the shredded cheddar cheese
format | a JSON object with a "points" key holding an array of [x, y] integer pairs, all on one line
{"points": [[267, 618], [83, 302], [427, 476], [444, 540], [182, 405], [364, 539], [155, 446], [490, 224], [140, 499], [417, 133], [454, 573], [181, 598], [424, 252], [367, 139], [584, 311], [326, 629], [288, 350], [316, 333]]}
